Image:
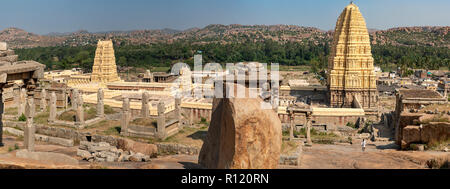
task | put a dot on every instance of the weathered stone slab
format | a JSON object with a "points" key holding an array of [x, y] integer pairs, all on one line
{"points": [[47, 157]]}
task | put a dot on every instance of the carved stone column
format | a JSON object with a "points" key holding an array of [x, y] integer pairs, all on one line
{"points": [[52, 115], [145, 106], [291, 125], [178, 111], [308, 118], [74, 99], [22, 102], [1, 115], [125, 117], [80, 111], [161, 121], [43, 105]]}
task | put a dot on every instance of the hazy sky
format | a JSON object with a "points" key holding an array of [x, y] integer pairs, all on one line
{"points": [[44, 16]]}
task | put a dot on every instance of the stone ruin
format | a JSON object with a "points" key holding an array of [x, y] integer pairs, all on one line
{"points": [[241, 135], [77, 106], [12, 70], [413, 124], [29, 129]]}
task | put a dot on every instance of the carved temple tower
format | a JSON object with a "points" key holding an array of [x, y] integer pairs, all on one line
{"points": [[104, 69], [351, 76]]}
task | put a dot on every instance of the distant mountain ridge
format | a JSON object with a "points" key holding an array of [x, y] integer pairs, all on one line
{"points": [[437, 36]]}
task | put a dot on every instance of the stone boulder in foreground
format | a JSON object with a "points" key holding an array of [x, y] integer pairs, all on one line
{"points": [[241, 135]]}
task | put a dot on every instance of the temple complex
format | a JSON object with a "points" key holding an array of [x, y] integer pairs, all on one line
{"points": [[350, 65]]}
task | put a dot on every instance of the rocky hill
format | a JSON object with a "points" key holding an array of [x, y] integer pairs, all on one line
{"points": [[403, 36], [18, 38], [411, 36]]}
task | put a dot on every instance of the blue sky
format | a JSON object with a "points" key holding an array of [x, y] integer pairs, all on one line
{"points": [[44, 16]]}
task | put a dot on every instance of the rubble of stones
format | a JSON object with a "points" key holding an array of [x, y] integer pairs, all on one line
{"points": [[104, 152]]}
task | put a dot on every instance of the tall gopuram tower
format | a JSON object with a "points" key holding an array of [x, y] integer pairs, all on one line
{"points": [[351, 77], [104, 69]]}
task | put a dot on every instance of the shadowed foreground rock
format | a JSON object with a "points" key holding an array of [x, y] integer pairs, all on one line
{"points": [[241, 135]]}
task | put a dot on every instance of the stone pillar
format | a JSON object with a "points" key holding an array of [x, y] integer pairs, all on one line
{"points": [[21, 102], [29, 128], [125, 117], [161, 121], [100, 103], [145, 106], [1, 116], [308, 129], [43, 104], [291, 126], [52, 115], [80, 111], [191, 116], [74, 99], [178, 111]]}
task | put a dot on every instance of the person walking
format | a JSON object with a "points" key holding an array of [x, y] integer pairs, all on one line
{"points": [[363, 145]]}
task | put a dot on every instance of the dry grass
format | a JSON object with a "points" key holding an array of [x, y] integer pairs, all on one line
{"points": [[189, 136], [145, 122], [89, 113]]}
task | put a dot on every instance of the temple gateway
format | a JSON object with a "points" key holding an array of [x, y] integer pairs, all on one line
{"points": [[351, 76]]}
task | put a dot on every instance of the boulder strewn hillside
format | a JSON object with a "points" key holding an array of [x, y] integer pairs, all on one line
{"points": [[216, 33]]}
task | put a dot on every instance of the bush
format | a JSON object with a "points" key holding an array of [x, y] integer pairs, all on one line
{"points": [[109, 110], [203, 121], [22, 117]]}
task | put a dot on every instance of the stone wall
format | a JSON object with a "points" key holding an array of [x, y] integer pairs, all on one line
{"points": [[293, 158], [403, 121], [433, 132], [172, 148]]}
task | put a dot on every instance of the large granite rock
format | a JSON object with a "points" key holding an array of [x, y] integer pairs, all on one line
{"points": [[242, 135]]}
